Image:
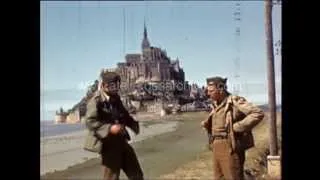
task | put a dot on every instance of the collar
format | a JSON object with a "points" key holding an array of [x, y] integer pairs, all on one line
{"points": [[223, 102], [226, 103], [104, 96]]}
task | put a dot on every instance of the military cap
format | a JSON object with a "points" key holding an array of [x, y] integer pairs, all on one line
{"points": [[217, 81], [109, 77]]}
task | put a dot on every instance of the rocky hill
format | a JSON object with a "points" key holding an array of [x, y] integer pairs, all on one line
{"points": [[82, 105], [142, 94]]}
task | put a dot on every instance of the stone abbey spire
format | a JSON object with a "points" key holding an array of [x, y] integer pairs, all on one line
{"points": [[145, 41]]}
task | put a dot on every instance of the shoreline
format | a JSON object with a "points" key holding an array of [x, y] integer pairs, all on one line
{"points": [[158, 147], [163, 148], [69, 146], [50, 129]]}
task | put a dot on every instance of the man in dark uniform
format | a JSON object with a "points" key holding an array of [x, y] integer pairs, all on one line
{"points": [[106, 119], [230, 122]]}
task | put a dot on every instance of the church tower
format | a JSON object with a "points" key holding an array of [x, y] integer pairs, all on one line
{"points": [[145, 41]]}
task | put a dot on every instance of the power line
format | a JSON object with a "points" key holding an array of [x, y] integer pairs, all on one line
{"points": [[78, 39], [237, 33], [79, 15], [124, 31]]}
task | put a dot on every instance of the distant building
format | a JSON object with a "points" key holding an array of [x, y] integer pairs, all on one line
{"points": [[73, 117], [70, 117], [152, 65], [60, 119], [60, 116]]}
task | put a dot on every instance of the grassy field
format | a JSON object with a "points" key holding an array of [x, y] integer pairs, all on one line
{"points": [[255, 165]]}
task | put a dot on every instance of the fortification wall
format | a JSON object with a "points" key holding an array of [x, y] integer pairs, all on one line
{"points": [[60, 119], [73, 117], [152, 106]]}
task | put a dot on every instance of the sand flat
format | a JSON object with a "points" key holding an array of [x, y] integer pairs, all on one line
{"points": [[60, 152], [160, 153], [179, 154]]}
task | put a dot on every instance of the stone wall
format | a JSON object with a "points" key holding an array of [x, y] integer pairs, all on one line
{"points": [[152, 106]]}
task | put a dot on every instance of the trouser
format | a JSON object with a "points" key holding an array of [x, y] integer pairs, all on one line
{"points": [[117, 154], [226, 163]]}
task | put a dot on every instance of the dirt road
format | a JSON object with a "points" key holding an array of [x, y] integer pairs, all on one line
{"points": [[255, 165]]}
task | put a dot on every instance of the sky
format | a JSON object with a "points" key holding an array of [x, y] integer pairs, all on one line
{"points": [[78, 39]]}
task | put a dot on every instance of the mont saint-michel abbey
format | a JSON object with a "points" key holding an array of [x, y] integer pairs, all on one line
{"points": [[152, 65]]}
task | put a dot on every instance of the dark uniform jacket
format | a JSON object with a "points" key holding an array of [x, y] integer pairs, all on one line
{"points": [[102, 112]]}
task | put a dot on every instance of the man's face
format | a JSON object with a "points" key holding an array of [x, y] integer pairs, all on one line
{"points": [[213, 92], [111, 88]]}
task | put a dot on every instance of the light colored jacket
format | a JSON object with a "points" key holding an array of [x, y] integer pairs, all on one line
{"points": [[242, 116]]}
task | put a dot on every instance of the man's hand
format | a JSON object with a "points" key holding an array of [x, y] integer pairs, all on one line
{"points": [[204, 124], [115, 129]]}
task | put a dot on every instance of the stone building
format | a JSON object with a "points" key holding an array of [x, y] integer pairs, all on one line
{"points": [[70, 117], [73, 117], [151, 65], [60, 117]]}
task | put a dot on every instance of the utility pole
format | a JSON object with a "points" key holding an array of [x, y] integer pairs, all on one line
{"points": [[271, 78], [274, 160]]}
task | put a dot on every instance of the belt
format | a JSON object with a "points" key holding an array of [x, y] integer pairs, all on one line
{"points": [[220, 137], [220, 133], [219, 129]]}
